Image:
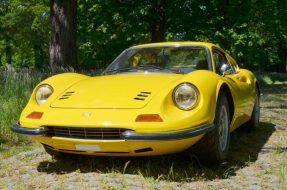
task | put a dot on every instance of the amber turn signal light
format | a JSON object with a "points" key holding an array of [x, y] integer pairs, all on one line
{"points": [[35, 115], [149, 118]]}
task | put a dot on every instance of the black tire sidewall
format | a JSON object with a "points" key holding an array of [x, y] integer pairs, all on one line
{"points": [[221, 154], [255, 123], [208, 148]]}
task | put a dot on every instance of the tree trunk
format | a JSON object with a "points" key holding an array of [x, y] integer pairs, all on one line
{"points": [[158, 20], [63, 50]]}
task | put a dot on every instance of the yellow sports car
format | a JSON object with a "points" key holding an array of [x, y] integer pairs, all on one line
{"points": [[153, 99]]}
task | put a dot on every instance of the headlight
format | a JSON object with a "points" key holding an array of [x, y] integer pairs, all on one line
{"points": [[43, 93], [185, 96]]}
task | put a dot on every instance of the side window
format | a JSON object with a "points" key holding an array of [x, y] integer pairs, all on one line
{"points": [[233, 64], [221, 63]]}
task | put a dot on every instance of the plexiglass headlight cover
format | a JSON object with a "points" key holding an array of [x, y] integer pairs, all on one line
{"points": [[43, 93], [185, 96]]}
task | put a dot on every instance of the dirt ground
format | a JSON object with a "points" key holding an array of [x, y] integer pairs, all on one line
{"points": [[257, 160]]}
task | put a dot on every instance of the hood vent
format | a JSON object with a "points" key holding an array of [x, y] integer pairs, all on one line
{"points": [[66, 95], [142, 96]]}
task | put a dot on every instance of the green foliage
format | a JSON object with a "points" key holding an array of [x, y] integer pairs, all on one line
{"points": [[105, 28], [255, 32], [24, 26]]}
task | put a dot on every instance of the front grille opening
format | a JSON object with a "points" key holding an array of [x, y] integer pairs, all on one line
{"points": [[86, 133], [143, 150]]}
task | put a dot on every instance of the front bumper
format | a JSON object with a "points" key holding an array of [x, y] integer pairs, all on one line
{"points": [[131, 143], [28, 131], [131, 135]]}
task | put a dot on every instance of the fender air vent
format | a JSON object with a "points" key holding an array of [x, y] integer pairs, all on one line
{"points": [[142, 96], [66, 95]]}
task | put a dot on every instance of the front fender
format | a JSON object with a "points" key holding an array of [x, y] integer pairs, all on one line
{"points": [[60, 83], [207, 84]]}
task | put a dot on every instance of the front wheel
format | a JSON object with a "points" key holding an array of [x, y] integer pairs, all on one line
{"points": [[214, 146]]}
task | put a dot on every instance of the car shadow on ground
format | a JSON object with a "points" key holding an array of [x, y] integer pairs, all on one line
{"points": [[244, 149]]}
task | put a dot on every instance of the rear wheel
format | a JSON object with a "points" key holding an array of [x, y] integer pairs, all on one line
{"points": [[253, 123], [214, 146]]}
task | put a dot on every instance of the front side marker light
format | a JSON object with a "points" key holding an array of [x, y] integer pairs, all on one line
{"points": [[149, 118], [35, 115]]}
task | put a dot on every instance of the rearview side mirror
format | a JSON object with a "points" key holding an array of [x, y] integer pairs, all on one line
{"points": [[225, 69]]}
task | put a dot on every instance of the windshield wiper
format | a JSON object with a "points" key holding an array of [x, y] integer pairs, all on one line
{"points": [[113, 71], [149, 67]]}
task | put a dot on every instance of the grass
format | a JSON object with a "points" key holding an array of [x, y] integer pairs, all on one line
{"points": [[253, 156], [15, 90]]}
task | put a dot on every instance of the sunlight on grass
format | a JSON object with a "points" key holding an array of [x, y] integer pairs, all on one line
{"points": [[283, 175]]}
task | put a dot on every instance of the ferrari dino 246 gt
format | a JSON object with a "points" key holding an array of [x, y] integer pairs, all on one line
{"points": [[153, 99]]}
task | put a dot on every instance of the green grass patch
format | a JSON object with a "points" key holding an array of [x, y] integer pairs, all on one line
{"points": [[283, 175], [15, 90], [9, 151]]}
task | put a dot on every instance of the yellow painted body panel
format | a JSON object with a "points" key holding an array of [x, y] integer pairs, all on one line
{"points": [[161, 103], [109, 102]]}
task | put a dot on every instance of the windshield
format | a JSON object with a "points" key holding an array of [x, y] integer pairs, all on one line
{"points": [[182, 59]]}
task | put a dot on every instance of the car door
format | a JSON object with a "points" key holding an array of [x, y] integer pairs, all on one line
{"points": [[237, 83]]}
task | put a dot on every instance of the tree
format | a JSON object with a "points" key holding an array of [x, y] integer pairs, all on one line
{"points": [[23, 26], [158, 22], [253, 31], [63, 49], [106, 28], [5, 29]]}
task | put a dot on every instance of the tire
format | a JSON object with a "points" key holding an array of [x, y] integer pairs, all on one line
{"points": [[214, 146], [253, 123]]}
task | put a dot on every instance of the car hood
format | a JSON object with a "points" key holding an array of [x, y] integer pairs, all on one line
{"points": [[121, 91]]}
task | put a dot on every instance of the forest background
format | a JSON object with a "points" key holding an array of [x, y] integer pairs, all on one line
{"points": [[253, 31]]}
